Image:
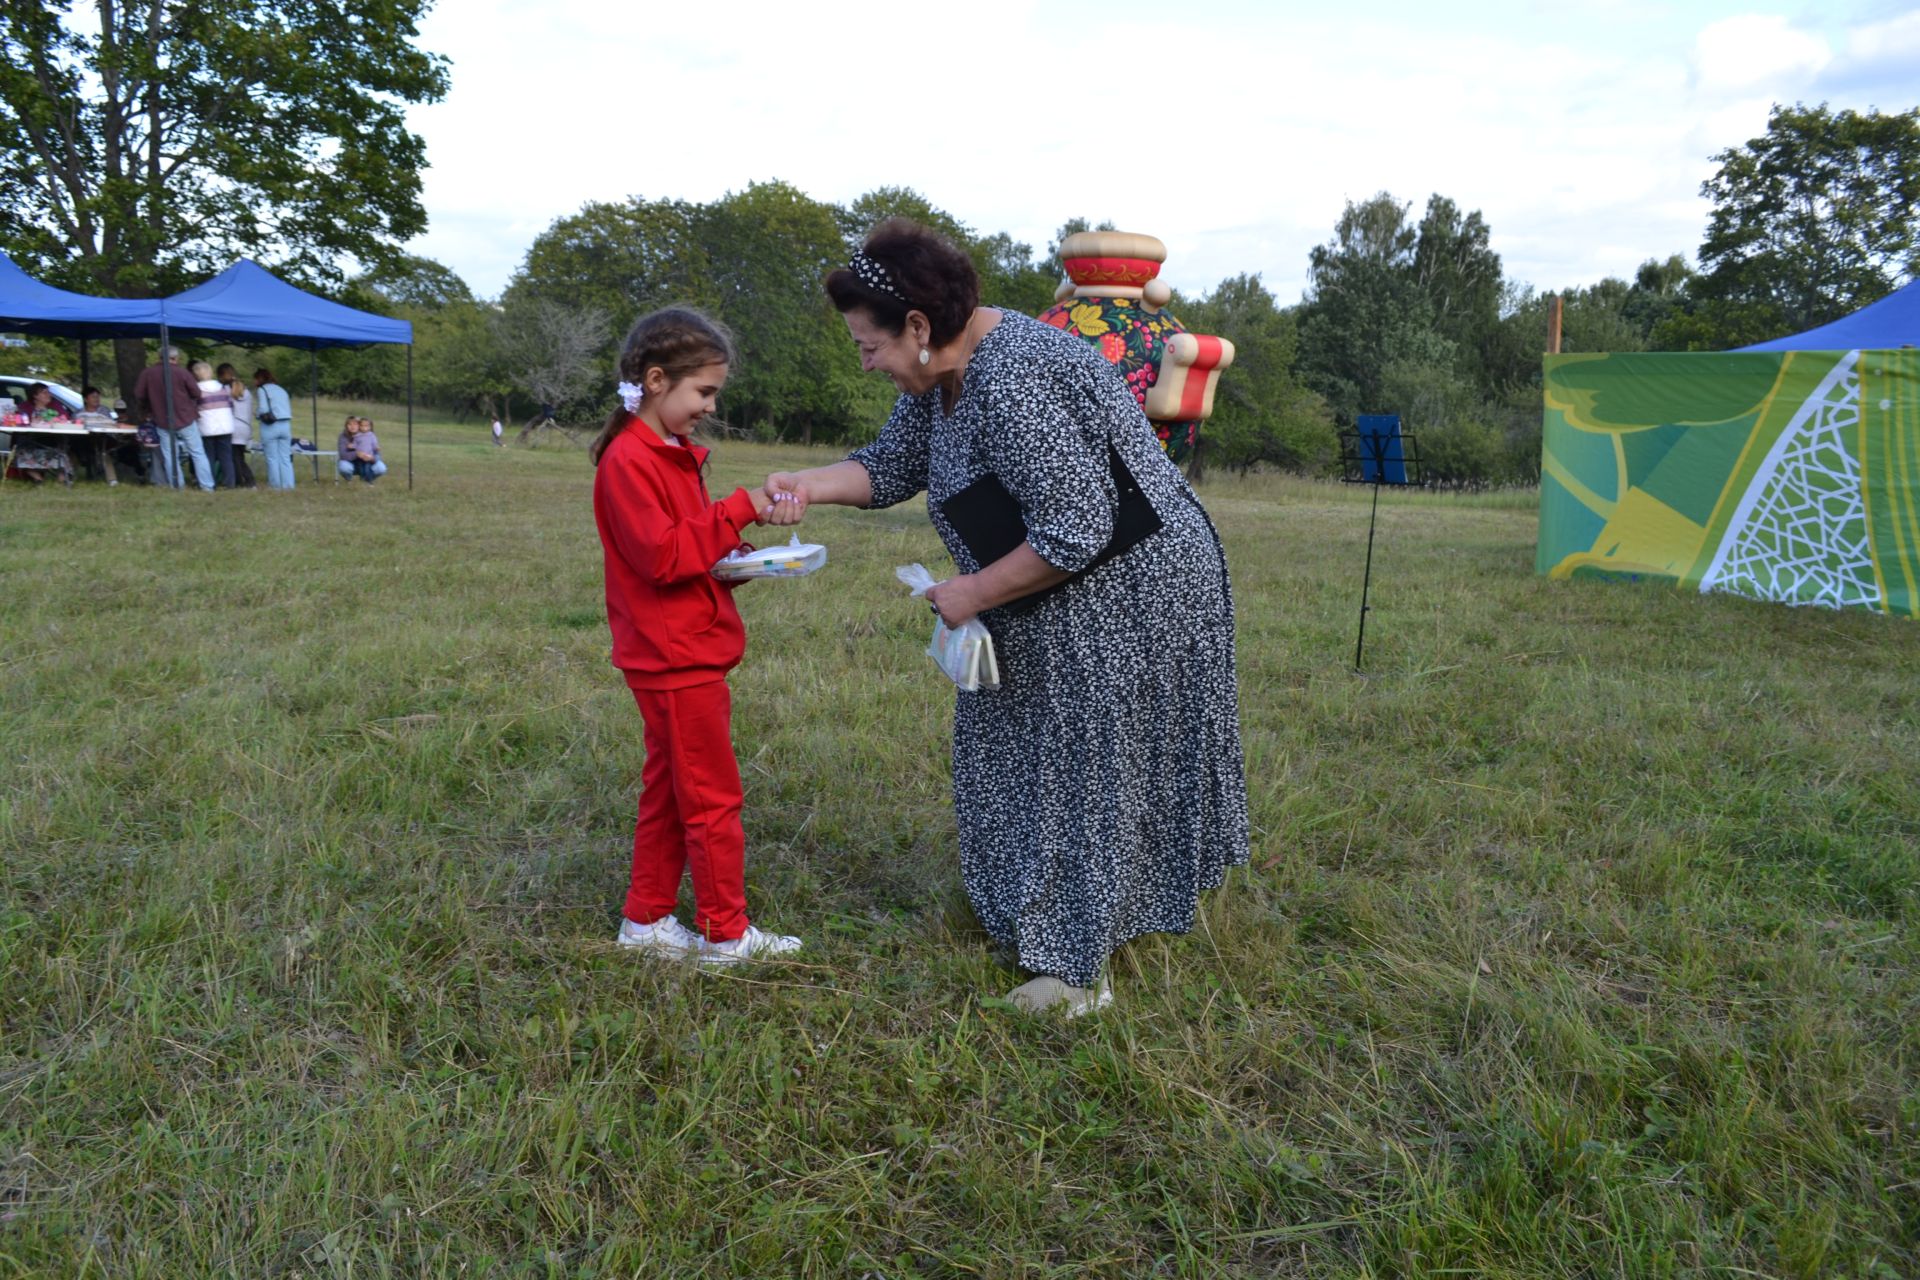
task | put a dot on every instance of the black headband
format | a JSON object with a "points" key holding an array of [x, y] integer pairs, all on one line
{"points": [[874, 276]]}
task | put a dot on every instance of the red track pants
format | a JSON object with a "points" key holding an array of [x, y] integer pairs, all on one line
{"points": [[690, 812]]}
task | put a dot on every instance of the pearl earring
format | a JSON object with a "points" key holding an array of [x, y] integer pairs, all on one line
{"points": [[926, 357]]}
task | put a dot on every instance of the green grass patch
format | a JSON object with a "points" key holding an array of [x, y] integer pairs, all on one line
{"points": [[1577, 940]]}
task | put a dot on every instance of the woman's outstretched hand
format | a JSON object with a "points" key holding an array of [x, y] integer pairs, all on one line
{"points": [[786, 498]]}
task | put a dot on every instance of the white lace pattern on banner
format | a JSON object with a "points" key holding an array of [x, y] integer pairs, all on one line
{"points": [[1799, 535]]}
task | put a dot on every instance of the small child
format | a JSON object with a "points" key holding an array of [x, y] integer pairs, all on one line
{"points": [[676, 634], [366, 453], [496, 433], [242, 397]]}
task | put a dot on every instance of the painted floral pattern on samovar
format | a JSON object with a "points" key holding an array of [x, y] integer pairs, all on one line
{"points": [[1113, 298]]}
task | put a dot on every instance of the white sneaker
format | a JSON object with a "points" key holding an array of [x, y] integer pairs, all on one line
{"points": [[665, 937], [1047, 994], [751, 945]]}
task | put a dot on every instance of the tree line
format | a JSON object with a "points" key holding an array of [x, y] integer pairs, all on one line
{"points": [[1407, 310], [144, 146]]}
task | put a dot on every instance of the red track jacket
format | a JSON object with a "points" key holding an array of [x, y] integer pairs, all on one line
{"points": [[674, 624]]}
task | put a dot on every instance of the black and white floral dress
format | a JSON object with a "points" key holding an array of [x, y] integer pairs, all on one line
{"points": [[1102, 787]]}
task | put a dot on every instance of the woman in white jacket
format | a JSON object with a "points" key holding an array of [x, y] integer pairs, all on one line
{"points": [[216, 421]]}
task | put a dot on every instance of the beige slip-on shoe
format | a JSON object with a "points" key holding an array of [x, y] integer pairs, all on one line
{"points": [[1047, 994]]}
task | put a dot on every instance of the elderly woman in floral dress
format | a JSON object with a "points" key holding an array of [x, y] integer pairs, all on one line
{"points": [[1101, 787]]}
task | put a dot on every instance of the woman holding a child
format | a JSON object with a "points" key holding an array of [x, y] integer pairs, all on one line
{"points": [[358, 451], [1101, 787]]}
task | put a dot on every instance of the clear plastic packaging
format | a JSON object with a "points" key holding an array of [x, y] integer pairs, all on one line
{"points": [[964, 653], [795, 560]]}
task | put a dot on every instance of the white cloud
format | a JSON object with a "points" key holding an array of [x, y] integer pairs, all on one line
{"points": [[1234, 135], [1880, 64], [1756, 50], [1893, 42]]}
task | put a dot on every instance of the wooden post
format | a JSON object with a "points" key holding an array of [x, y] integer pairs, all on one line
{"points": [[1555, 310]]}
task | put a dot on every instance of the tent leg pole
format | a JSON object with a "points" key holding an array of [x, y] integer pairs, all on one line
{"points": [[409, 417], [1366, 583], [166, 387], [86, 373], [313, 364]]}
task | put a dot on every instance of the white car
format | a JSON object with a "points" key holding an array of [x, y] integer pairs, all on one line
{"points": [[13, 386]]}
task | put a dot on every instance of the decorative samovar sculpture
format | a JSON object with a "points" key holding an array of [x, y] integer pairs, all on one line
{"points": [[1112, 297]]}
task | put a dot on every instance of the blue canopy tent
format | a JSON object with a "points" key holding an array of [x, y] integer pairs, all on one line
{"points": [[27, 306], [246, 304], [1886, 325]]}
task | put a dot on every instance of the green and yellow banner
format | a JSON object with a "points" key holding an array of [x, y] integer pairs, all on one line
{"points": [[1790, 476]]}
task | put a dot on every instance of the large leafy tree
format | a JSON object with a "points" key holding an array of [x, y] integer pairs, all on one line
{"points": [[1459, 277], [770, 247], [621, 258], [1009, 275], [858, 218], [1366, 307], [755, 259], [1261, 411], [143, 142], [1814, 219]]}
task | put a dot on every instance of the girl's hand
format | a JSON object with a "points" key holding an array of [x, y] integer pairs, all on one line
{"points": [[955, 600]]}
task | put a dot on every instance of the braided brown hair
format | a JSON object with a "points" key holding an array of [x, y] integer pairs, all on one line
{"points": [[675, 340]]}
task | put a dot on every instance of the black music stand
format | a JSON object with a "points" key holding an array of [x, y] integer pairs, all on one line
{"points": [[1376, 452]]}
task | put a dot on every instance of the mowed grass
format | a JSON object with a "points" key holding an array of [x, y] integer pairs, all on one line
{"points": [[1578, 938]]}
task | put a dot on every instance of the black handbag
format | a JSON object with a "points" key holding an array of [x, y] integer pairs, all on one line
{"points": [[987, 518]]}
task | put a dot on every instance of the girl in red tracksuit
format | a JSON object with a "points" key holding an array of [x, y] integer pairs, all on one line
{"points": [[676, 634]]}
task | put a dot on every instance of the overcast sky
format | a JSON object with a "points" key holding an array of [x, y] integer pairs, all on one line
{"points": [[1582, 133]]}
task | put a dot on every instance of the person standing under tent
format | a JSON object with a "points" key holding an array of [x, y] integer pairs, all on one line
{"points": [[216, 421], [273, 415], [242, 397], [167, 397]]}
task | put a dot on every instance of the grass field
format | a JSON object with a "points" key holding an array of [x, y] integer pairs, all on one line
{"points": [[1578, 938]]}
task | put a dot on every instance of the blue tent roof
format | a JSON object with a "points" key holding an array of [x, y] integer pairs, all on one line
{"points": [[27, 306], [245, 304], [1886, 325], [249, 305]]}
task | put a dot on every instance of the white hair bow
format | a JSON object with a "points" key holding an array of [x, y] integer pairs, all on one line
{"points": [[631, 394]]}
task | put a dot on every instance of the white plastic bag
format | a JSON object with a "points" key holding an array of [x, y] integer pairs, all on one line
{"points": [[795, 560], [965, 653]]}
